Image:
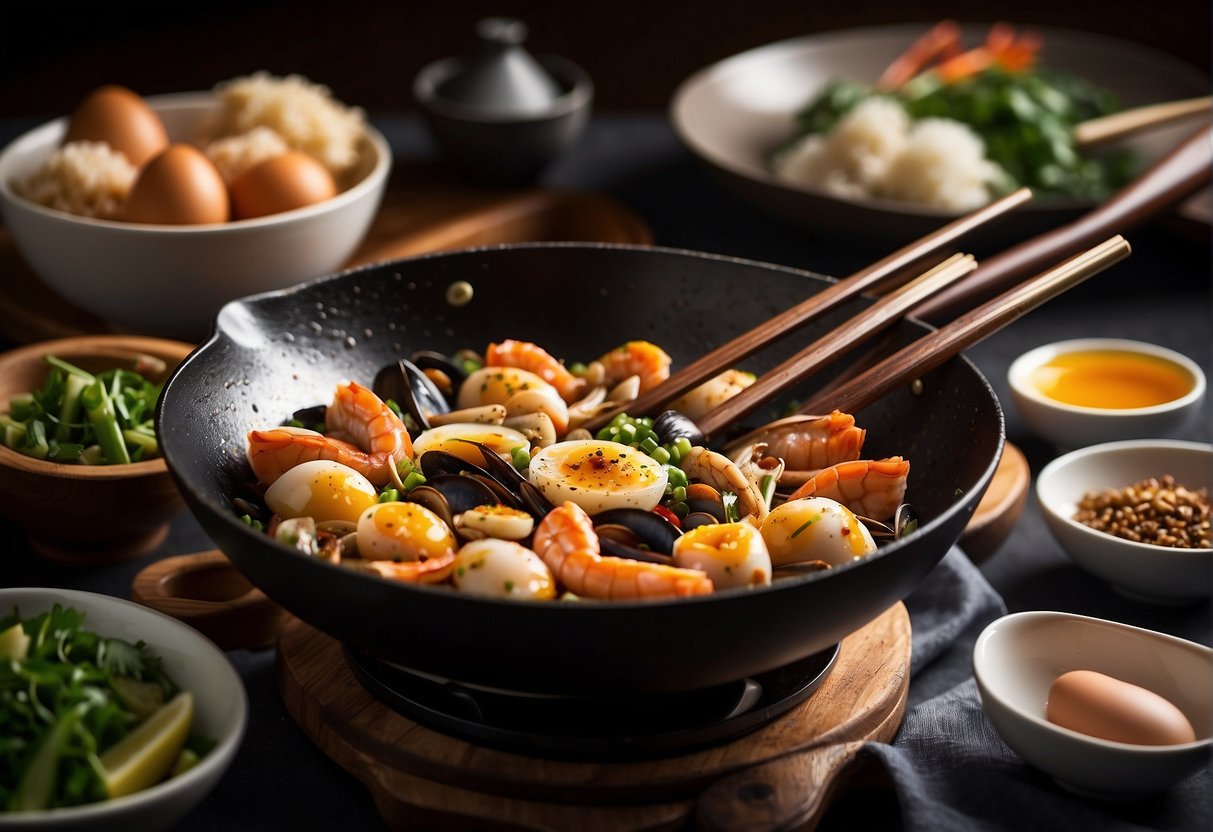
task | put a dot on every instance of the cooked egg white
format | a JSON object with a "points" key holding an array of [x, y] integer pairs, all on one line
{"points": [[323, 490], [502, 569], [732, 554], [447, 438], [403, 531], [598, 475], [815, 528]]}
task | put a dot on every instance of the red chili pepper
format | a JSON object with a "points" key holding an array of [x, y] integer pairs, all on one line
{"points": [[668, 515]]}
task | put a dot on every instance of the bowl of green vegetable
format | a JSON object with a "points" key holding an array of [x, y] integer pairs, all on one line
{"points": [[137, 715], [80, 468], [887, 132]]}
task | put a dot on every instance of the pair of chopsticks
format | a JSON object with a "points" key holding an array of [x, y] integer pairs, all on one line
{"points": [[1083, 247]]}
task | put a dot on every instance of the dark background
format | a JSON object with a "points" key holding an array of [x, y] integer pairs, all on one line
{"points": [[367, 51]]}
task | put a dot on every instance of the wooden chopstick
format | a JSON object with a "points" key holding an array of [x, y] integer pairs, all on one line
{"points": [[875, 319], [1100, 131], [1180, 174], [932, 350], [748, 343]]}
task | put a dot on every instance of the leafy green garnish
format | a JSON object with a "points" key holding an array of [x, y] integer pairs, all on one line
{"points": [[60, 710], [1026, 120]]}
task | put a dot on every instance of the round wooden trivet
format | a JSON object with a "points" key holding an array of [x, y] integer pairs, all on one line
{"points": [[423, 779]]}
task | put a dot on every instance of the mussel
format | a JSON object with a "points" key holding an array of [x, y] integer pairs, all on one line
{"points": [[671, 426], [636, 533], [406, 384]]}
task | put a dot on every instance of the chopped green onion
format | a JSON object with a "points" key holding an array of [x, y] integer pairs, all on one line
{"points": [[520, 458], [100, 411], [767, 486], [676, 476], [413, 480], [389, 495]]}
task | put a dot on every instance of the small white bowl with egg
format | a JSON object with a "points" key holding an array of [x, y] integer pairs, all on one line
{"points": [[1147, 572], [171, 279], [1018, 658], [1091, 390]]}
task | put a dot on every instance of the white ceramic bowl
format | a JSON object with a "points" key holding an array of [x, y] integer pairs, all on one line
{"points": [[733, 113], [1018, 657], [197, 665], [1142, 571], [1071, 426], [171, 280]]}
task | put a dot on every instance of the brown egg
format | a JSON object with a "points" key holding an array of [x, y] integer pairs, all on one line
{"points": [[281, 183], [179, 187], [1103, 706], [121, 119]]}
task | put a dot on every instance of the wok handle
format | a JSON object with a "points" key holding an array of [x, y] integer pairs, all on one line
{"points": [[205, 591], [1177, 176], [789, 792]]}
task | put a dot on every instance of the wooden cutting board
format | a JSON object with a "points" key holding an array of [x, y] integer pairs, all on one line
{"points": [[782, 775], [424, 210]]}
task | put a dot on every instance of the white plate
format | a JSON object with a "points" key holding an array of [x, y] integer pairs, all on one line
{"points": [[194, 663], [733, 113]]}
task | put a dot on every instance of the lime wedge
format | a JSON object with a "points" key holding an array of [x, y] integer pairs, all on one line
{"points": [[145, 755], [14, 643]]}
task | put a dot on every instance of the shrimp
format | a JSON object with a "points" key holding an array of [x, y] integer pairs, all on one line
{"points": [[637, 358], [720, 472], [380, 440], [428, 571], [531, 357], [566, 541], [873, 488], [806, 444]]}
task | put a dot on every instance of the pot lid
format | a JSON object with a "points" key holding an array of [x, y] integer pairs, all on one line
{"points": [[503, 78]]}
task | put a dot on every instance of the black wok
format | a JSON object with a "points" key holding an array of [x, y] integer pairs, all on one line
{"points": [[274, 353]]}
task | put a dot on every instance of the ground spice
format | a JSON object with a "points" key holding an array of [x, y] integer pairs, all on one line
{"points": [[1157, 511]]}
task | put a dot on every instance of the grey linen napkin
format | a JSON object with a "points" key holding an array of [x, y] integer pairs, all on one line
{"points": [[948, 766]]}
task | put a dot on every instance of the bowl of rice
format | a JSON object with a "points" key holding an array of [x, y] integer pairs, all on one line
{"points": [[69, 205], [804, 128]]}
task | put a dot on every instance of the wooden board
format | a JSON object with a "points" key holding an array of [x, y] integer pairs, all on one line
{"points": [[420, 778], [1000, 507], [424, 210]]}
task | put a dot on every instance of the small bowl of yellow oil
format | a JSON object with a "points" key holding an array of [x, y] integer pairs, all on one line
{"points": [[1093, 390]]}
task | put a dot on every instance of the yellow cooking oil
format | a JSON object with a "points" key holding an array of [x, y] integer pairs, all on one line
{"points": [[1111, 379]]}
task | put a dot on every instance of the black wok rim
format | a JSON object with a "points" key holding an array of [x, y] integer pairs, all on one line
{"points": [[217, 336]]}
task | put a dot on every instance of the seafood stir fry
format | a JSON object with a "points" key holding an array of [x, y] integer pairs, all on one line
{"points": [[477, 471]]}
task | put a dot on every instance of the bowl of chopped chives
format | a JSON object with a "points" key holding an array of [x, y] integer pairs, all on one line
{"points": [[80, 468]]}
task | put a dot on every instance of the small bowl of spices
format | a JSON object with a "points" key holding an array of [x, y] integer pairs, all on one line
{"points": [[1135, 513], [1092, 390]]}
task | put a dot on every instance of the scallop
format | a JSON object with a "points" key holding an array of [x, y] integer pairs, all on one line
{"points": [[815, 528], [502, 569], [732, 554], [323, 490], [452, 439], [403, 532], [496, 385], [598, 475]]}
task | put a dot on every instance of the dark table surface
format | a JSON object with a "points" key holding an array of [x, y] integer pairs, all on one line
{"points": [[1160, 295]]}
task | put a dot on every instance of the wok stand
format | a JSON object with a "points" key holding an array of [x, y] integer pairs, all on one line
{"points": [[786, 771]]}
